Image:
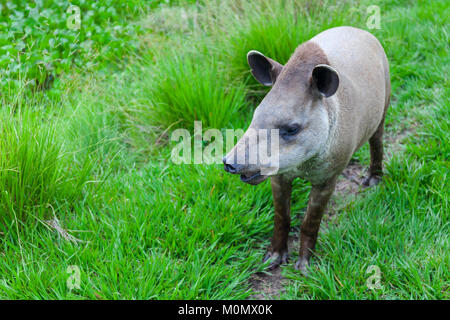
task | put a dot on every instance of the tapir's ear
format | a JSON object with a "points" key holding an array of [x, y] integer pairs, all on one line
{"points": [[326, 79], [265, 70]]}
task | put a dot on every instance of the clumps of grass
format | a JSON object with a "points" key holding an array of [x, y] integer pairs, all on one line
{"points": [[191, 87], [36, 176]]}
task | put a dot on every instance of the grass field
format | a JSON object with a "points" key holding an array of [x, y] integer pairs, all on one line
{"points": [[87, 183]]}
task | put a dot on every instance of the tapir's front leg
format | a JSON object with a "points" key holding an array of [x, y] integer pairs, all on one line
{"points": [[278, 250], [318, 199]]}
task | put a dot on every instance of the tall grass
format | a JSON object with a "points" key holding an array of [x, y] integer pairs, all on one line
{"points": [[190, 87], [36, 175]]}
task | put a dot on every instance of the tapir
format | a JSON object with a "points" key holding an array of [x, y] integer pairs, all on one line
{"points": [[329, 99]]}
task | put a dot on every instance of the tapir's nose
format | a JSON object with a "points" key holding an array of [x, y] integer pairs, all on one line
{"points": [[231, 167]]}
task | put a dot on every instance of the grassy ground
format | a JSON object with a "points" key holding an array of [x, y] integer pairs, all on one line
{"points": [[86, 178]]}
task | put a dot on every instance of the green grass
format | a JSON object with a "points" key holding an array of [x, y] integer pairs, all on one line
{"points": [[93, 152], [178, 97], [35, 171]]}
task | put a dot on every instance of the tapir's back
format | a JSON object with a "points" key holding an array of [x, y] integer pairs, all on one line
{"points": [[364, 86]]}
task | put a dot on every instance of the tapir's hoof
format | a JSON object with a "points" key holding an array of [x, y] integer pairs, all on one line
{"points": [[371, 181], [276, 259], [302, 266]]}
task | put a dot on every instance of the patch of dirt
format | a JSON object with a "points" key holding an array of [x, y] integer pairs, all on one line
{"points": [[270, 284], [267, 285], [351, 179]]}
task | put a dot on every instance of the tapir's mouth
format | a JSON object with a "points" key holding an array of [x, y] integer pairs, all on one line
{"points": [[253, 178]]}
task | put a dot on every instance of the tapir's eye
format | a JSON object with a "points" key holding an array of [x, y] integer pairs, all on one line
{"points": [[289, 131]]}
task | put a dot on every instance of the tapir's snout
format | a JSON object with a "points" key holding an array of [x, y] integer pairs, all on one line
{"points": [[253, 177], [231, 167]]}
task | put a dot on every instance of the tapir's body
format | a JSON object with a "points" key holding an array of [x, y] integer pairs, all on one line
{"points": [[327, 101], [360, 102]]}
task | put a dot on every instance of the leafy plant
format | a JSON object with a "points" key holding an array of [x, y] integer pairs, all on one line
{"points": [[41, 39]]}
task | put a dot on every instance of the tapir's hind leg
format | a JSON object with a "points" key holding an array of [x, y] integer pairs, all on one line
{"points": [[376, 157], [376, 141]]}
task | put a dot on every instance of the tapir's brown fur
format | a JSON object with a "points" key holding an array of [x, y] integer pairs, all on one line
{"points": [[332, 97]]}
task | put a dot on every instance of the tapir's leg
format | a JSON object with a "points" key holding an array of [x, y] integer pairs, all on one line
{"points": [[376, 157], [318, 199], [278, 250]]}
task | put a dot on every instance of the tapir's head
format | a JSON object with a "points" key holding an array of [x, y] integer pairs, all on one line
{"points": [[291, 125]]}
